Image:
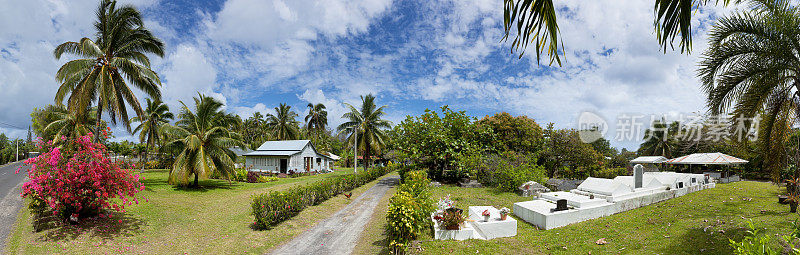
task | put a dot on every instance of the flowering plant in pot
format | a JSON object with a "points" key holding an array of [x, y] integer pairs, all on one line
{"points": [[504, 213], [486, 215]]}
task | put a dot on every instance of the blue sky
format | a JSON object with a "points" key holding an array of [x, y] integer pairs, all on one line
{"points": [[412, 54]]}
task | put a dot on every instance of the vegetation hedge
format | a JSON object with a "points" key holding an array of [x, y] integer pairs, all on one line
{"points": [[274, 207], [409, 211], [610, 173]]}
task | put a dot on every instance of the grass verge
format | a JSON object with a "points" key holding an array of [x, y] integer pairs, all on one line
{"points": [[214, 219]]}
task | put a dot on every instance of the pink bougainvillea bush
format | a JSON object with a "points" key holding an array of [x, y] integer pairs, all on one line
{"points": [[76, 180]]}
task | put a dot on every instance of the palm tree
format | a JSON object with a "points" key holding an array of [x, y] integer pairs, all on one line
{"points": [[751, 69], [370, 126], [116, 55], [253, 130], [156, 115], [202, 143], [660, 139], [283, 124], [317, 117], [535, 22], [67, 124]]}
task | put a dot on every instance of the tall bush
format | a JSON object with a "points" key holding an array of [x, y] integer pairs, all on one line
{"points": [[506, 172], [409, 211], [77, 180]]}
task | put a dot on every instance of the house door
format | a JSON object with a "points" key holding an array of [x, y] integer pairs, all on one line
{"points": [[307, 163], [284, 165]]}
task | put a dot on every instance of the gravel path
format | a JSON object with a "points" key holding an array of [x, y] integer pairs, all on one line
{"points": [[339, 233]]}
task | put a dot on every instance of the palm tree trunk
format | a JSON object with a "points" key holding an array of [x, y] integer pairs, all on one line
{"points": [[196, 176], [98, 122], [366, 155], [146, 150]]}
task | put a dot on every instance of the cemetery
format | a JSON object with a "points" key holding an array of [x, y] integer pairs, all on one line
{"points": [[599, 197]]}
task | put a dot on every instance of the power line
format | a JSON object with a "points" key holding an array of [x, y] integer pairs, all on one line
{"points": [[10, 125]]}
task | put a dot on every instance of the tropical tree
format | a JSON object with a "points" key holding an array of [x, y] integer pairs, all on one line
{"points": [[368, 126], [108, 64], [253, 130], [751, 70], [67, 124], [535, 23], [156, 115], [317, 117], [283, 125], [660, 139], [202, 143]]}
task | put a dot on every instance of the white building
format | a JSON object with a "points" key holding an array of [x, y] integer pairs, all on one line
{"points": [[284, 156]]}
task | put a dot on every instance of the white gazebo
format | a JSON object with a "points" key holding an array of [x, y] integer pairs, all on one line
{"points": [[715, 158], [649, 162]]}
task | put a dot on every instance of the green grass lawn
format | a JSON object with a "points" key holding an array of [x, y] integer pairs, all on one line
{"points": [[213, 220], [699, 222]]}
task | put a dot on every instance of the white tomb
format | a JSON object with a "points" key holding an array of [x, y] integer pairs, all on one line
{"points": [[598, 197], [493, 228], [477, 227]]}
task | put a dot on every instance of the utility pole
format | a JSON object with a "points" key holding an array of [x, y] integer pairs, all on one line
{"points": [[17, 150], [355, 150]]}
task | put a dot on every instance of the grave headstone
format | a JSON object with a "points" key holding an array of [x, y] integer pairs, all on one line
{"points": [[470, 184], [638, 172], [561, 205]]}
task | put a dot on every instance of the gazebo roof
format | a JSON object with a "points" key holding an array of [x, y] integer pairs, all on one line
{"points": [[648, 160], [714, 158]]}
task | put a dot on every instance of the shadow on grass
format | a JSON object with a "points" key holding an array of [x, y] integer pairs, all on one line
{"points": [[119, 225], [209, 185], [709, 241]]}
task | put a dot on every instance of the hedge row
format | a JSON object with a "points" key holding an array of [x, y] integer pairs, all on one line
{"points": [[409, 211], [274, 207]]}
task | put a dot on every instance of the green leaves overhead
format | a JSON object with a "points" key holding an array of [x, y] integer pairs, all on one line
{"points": [[108, 64], [751, 69], [535, 22]]}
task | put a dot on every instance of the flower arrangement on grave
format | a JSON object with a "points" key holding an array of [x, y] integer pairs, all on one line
{"points": [[486, 215], [450, 219], [504, 213], [448, 216], [445, 203]]}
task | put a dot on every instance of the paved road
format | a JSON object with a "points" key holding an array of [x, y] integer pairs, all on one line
{"points": [[10, 201], [339, 233]]}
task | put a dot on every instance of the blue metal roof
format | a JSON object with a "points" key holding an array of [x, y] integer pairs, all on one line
{"points": [[290, 145], [272, 153]]}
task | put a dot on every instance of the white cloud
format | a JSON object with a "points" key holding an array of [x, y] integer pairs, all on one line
{"points": [[278, 33], [188, 72], [247, 112]]}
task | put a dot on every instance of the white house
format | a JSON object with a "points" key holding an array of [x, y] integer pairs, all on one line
{"points": [[284, 156]]}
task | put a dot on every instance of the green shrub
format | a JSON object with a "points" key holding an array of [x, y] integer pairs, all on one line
{"points": [[263, 179], [610, 173], [409, 211], [508, 171], [753, 243], [514, 176], [274, 207]]}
